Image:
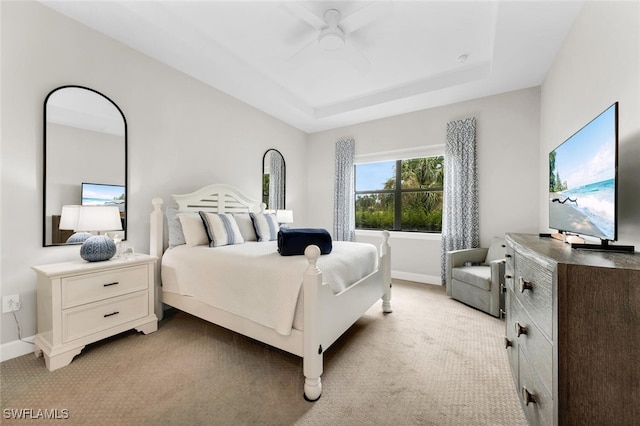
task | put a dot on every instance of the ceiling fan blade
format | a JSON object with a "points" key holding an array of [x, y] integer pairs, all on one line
{"points": [[355, 57], [299, 10], [306, 53], [368, 13]]}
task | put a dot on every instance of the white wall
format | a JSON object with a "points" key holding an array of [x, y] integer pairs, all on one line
{"points": [[507, 141], [182, 135], [598, 65]]}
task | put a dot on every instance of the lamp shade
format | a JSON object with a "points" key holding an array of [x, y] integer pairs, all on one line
{"points": [[284, 216], [99, 218], [69, 217]]}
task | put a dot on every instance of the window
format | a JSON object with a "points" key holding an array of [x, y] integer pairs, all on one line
{"points": [[415, 204]]}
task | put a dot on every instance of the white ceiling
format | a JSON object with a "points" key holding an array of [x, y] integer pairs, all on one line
{"points": [[408, 54]]}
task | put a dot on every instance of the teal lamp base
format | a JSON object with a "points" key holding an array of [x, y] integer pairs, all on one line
{"points": [[98, 248]]}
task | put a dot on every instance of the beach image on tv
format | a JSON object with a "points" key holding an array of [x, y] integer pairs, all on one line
{"points": [[101, 195], [582, 175]]}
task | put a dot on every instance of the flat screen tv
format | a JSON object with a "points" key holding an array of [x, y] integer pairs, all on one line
{"points": [[99, 194], [583, 183]]}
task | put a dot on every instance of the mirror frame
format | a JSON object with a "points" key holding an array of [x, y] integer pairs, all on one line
{"points": [[284, 177], [44, 162]]}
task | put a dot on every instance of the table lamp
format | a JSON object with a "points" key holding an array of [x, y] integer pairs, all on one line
{"points": [[284, 217], [98, 219]]}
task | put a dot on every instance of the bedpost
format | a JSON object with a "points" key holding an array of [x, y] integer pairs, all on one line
{"points": [[385, 254], [156, 243], [312, 350]]}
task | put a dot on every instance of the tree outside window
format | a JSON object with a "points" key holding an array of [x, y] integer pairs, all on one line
{"points": [[400, 195]]}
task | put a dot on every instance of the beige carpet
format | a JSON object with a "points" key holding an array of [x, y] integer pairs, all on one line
{"points": [[434, 361]]}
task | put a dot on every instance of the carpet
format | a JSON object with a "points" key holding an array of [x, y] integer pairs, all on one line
{"points": [[433, 361]]}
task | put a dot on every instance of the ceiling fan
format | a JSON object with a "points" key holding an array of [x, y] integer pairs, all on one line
{"points": [[332, 31]]}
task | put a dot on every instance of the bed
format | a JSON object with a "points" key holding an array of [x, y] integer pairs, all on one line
{"points": [[312, 309]]}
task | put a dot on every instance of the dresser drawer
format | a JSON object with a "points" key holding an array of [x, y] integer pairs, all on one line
{"points": [[532, 342], [537, 403], [533, 288], [92, 318], [87, 288], [511, 342]]}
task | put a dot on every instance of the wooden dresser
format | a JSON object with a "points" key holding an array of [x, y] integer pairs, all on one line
{"points": [[82, 302], [573, 332]]}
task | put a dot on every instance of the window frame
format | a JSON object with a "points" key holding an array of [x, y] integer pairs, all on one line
{"points": [[397, 192]]}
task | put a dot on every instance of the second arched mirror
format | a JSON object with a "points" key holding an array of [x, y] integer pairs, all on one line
{"points": [[274, 173]]}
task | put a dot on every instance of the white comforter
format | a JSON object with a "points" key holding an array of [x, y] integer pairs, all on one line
{"points": [[252, 280]]}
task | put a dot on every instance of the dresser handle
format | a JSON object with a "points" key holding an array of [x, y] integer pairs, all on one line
{"points": [[111, 314], [507, 255], [528, 397], [525, 285], [507, 343], [110, 284], [520, 329]]}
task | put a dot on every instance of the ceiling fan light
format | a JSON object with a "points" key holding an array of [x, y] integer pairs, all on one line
{"points": [[331, 39]]}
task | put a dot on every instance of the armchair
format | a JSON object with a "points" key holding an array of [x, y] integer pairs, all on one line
{"points": [[476, 276]]}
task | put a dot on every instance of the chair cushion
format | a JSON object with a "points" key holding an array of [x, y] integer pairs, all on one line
{"points": [[477, 276]]}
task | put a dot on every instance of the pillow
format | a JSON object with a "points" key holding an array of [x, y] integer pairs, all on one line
{"points": [[222, 229], [193, 229], [245, 224], [176, 236], [266, 226]]}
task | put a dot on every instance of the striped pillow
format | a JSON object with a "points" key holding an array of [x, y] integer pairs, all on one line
{"points": [[266, 226], [222, 229]]}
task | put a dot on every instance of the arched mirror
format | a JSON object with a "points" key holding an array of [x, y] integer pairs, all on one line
{"points": [[274, 174], [85, 157]]}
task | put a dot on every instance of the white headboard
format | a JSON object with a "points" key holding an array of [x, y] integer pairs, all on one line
{"points": [[217, 198]]}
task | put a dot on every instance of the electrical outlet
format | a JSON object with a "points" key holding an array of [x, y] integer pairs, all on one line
{"points": [[10, 303]]}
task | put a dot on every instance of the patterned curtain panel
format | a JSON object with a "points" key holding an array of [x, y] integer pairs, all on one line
{"points": [[276, 181], [460, 218], [344, 216]]}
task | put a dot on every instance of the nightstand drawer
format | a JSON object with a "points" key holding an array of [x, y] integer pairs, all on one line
{"points": [[87, 288], [95, 317]]}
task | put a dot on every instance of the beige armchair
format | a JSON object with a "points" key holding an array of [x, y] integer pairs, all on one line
{"points": [[476, 276]]}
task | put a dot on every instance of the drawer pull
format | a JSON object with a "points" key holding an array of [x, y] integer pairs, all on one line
{"points": [[111, 314], [528, 397], [508, 256], [110, 284], [525, 285], [508, 276], [520, 329], [507, 343]]}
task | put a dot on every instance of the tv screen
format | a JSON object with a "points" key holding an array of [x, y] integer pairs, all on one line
{"points": [[98, 194], [582, 179]]}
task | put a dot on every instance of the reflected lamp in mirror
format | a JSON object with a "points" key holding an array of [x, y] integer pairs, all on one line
{"points": [[98, 219], [284, 217], [69, 222]]}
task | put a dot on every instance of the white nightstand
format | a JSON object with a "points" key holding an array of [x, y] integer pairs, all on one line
{"points": [[82, 302]]}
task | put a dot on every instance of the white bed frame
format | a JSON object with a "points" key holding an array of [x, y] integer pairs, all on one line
{"points": [[326, 315]]}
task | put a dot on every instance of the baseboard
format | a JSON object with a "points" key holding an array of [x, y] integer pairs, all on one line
{"points": [[16, 348], [419, 278]]}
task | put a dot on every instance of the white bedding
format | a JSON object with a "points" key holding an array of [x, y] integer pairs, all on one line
{"points": [[252, 279]]}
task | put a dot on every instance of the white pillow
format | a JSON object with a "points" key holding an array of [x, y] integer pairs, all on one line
{"points": [[193, 229], [245, 224], [266, 226], [222, 229]]}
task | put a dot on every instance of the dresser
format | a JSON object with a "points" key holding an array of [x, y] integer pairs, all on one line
{"points": [[82, 302], [573, 332]]}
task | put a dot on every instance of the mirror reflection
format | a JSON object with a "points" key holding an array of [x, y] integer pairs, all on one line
{"points": [[273, 180], [85, 158]]}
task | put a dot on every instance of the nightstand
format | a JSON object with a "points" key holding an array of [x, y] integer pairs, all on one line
{"points": [[82, 302]]}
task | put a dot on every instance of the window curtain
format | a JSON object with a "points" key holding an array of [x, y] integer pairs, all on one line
{"points": [[460, 218], [344, 216], [276, 181]]}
